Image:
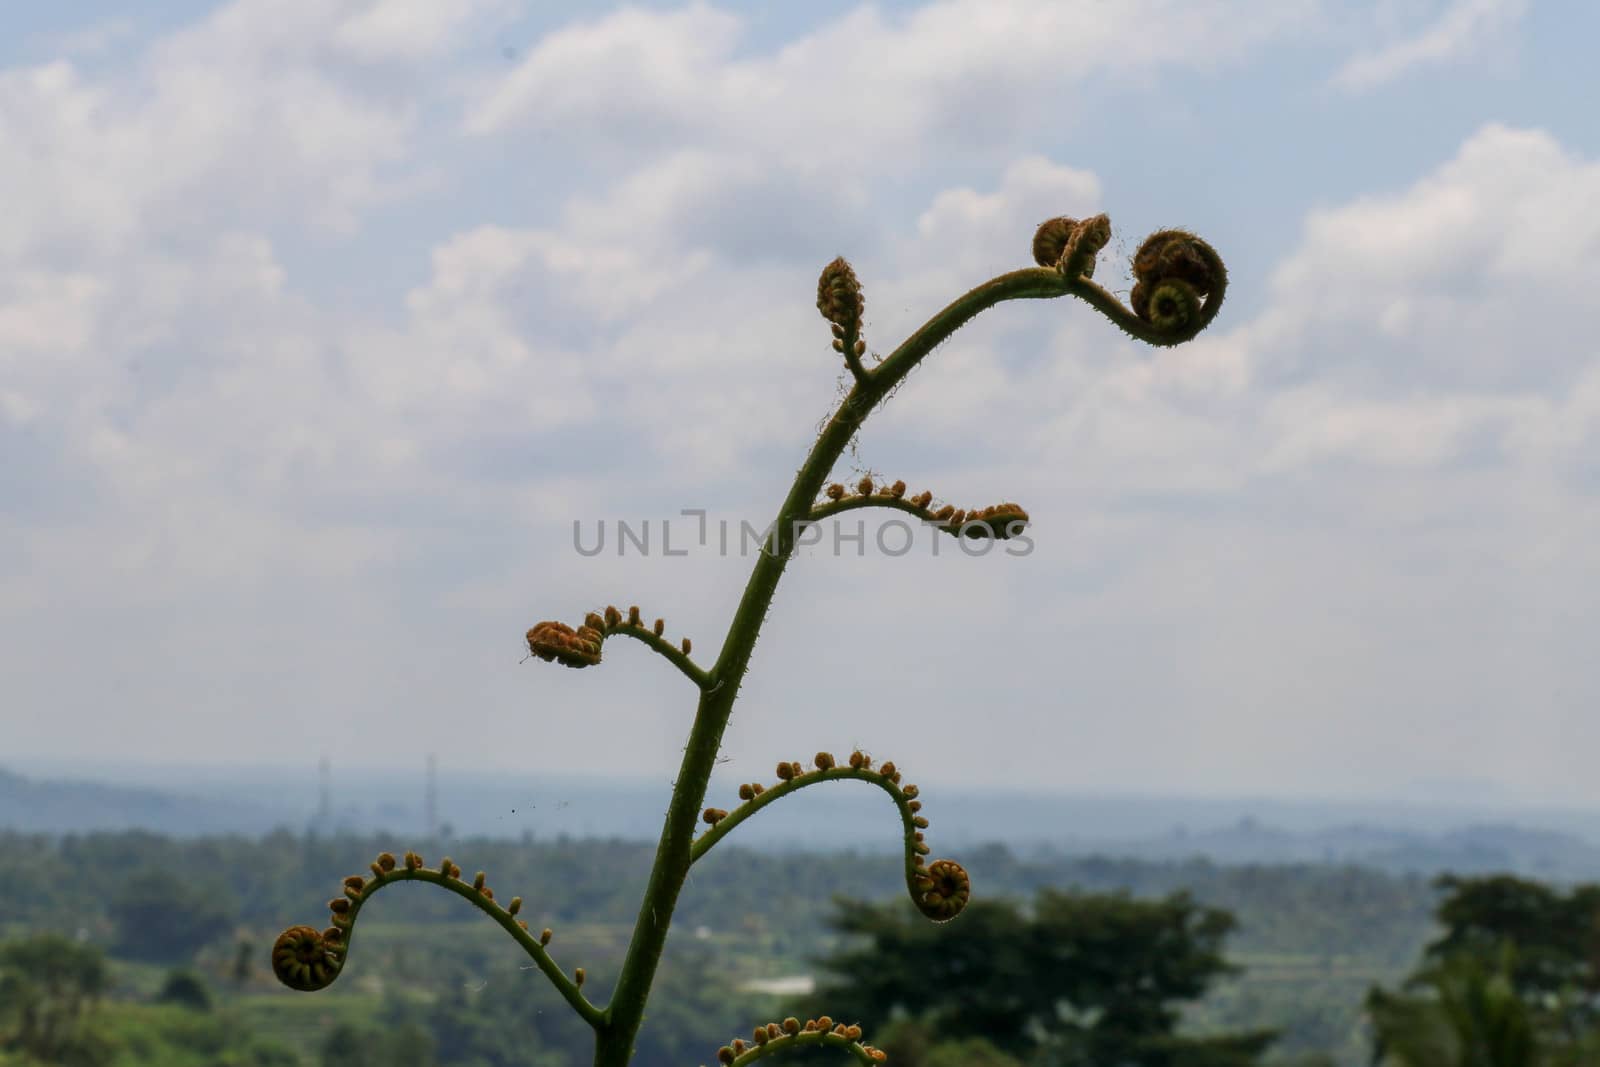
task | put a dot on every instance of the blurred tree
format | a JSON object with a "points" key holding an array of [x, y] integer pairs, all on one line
{"points": [[349, 1045], [1514, 981], [1089, 979], [243, 963], [161, 918], [48, 987], [186, 989]]}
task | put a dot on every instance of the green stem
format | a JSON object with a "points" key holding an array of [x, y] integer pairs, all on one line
{"points": [[674, 853], [674, 655]]}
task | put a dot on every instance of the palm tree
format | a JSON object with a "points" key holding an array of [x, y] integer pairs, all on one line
{"points": [[1473, 1019]]}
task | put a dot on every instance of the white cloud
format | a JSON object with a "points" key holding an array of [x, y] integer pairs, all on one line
{"points": [[875, 92], [1322, 502], [1467, 30]]}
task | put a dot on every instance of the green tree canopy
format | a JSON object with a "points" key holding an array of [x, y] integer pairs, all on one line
{"points": [[1512, 981], [1086, 979], [48, 985], [161, 918]]}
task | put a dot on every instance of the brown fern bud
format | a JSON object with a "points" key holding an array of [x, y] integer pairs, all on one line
{"points": [[578, 975], [910, 791], [760, 1035], [739, 1046], [522, 923], [633, 615], [687, 645], [791, 1025], [839, 296], [786, 771], [660, 625], [477, 881], [877, 1054], [1172, 271], [824, 1023], [353, 894], [447, 868], [864, 487], [922, 499], [746, 792], [594, 621], [773, 1029], [356, 882], [544, 936], [515, 906], [1087, 239], [757, 788], [915, 805], [339, 905], [823, 760], [1050, 240], [887, 769], [834, 491], [487, 893], [713, 815], [999, 521], [725, 1054], [860, 760], [386, 861], [919, 821], [306, 960], [558, 642], [943, 890], [613, 616], [853, 1032], [897, 490], [413, 861]]}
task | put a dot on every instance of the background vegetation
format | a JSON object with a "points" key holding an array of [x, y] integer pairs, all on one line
{"points": [[112, 958]]}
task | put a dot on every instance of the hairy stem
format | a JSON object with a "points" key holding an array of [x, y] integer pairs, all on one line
{"points": [[674, 853]]}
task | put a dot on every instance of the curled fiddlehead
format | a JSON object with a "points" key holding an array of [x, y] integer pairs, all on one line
{"points": [[1179, 279], [559, 643], [306, 959], [841, 302], [997, 522], [940, 890], [774, 1038]]}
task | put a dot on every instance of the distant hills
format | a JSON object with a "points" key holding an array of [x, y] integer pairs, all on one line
{"points": [[1548, 844], [57, 807]]}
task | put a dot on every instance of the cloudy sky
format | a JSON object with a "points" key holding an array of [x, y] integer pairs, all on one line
{"points": [[323, 321]]}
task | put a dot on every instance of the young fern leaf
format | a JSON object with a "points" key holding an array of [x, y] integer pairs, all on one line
{"points": [[998, 522], [306, 959], [1179, 286], [940, 890], [559, 643], [777, 1038]]}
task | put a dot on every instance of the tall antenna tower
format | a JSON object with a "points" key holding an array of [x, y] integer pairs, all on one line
{"points": [[430, 798]]}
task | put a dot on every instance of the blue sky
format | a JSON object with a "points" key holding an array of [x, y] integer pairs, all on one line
{"points": [[322, 322]]}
